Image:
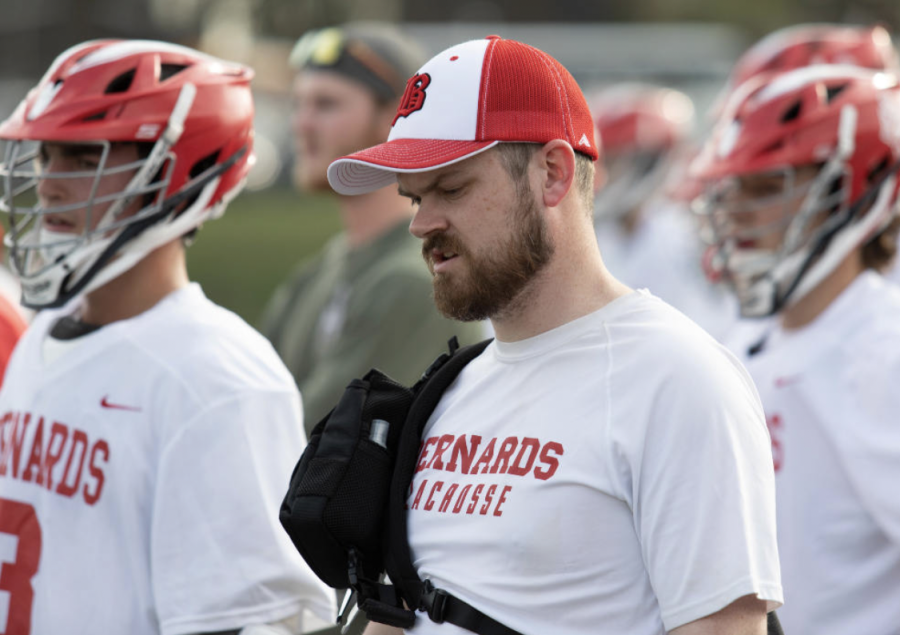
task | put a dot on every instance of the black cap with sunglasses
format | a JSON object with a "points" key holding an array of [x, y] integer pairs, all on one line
{"points": [[378, 55]]}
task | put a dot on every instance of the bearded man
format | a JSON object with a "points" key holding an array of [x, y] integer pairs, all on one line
{"points": [[619, 471]]}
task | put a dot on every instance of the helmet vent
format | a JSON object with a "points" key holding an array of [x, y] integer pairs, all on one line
{"points": [[168, 70], [793, 112], [833, 91], [199, 167], [121, 83], [202, 165], [98, 116]]}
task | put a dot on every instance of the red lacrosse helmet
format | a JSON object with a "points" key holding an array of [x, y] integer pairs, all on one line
{"points": [[807, 44], [839, 122], [641, 126], [192, 114]]}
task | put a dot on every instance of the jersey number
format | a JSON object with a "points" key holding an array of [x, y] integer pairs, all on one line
{"points": [[19, 519]]}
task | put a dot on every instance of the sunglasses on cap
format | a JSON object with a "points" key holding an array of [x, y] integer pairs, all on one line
{"points": [[332, 48]]}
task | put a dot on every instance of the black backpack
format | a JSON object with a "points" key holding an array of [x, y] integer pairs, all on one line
{"points": [[344, 509]]}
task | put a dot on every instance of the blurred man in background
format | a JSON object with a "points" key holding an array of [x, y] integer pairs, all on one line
{"points": [[802, 174], [647, 238], [365, 299]]}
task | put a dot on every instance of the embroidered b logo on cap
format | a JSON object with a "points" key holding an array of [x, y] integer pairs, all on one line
{"points": [[413, 97]]}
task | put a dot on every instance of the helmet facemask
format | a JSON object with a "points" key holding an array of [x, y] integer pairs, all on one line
{"points": [[811, 230], [641, 128], [632, 179], [841, 122], [765, 242], [52, 265]]}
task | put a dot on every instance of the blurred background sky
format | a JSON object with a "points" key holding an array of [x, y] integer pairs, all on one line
{"points": [[688, 44]]}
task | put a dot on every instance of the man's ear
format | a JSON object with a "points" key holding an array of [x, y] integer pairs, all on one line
{"points": [[557, 169]]}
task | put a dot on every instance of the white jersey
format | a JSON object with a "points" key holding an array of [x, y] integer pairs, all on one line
{"points": [[141, 473], [664, 255], [831, 392], [612, 472], [892, 273]]}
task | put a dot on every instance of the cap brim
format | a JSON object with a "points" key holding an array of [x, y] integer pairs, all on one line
{"points": [[377, 167]]}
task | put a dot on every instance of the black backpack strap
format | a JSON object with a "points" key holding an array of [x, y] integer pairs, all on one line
{"points": [[429, 391], [439, 605], [443, 607]]}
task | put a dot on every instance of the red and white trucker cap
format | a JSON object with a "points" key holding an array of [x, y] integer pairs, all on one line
{"points": [[466, 100]]}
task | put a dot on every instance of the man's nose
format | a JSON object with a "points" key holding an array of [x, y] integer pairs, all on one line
{"points": [[50, 190], [427, 220]]}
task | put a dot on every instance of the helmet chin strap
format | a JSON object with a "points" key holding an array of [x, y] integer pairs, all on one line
{"points": [[804, 269], [833, 169], [846, 241], [153, 237]]}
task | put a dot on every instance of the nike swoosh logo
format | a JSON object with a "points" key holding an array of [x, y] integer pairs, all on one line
{"points": [[115, 406]]}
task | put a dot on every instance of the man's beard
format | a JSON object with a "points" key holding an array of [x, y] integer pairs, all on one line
{"points": [[497, 281]]}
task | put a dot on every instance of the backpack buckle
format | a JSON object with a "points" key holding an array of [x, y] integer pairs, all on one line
{"points": [[433, 601]]}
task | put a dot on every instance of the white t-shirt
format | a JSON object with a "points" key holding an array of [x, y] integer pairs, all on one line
{"points": [[141, 473], [612, 472], [831, 393], [664, 255]]}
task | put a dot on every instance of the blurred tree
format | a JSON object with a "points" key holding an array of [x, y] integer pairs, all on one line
{"points": [[177, 15], [33, 33], [886, 12], [291, 18], [757, 16], [516, 10]]}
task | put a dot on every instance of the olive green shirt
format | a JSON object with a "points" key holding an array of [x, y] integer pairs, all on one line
{"points": [[349, 310]]}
